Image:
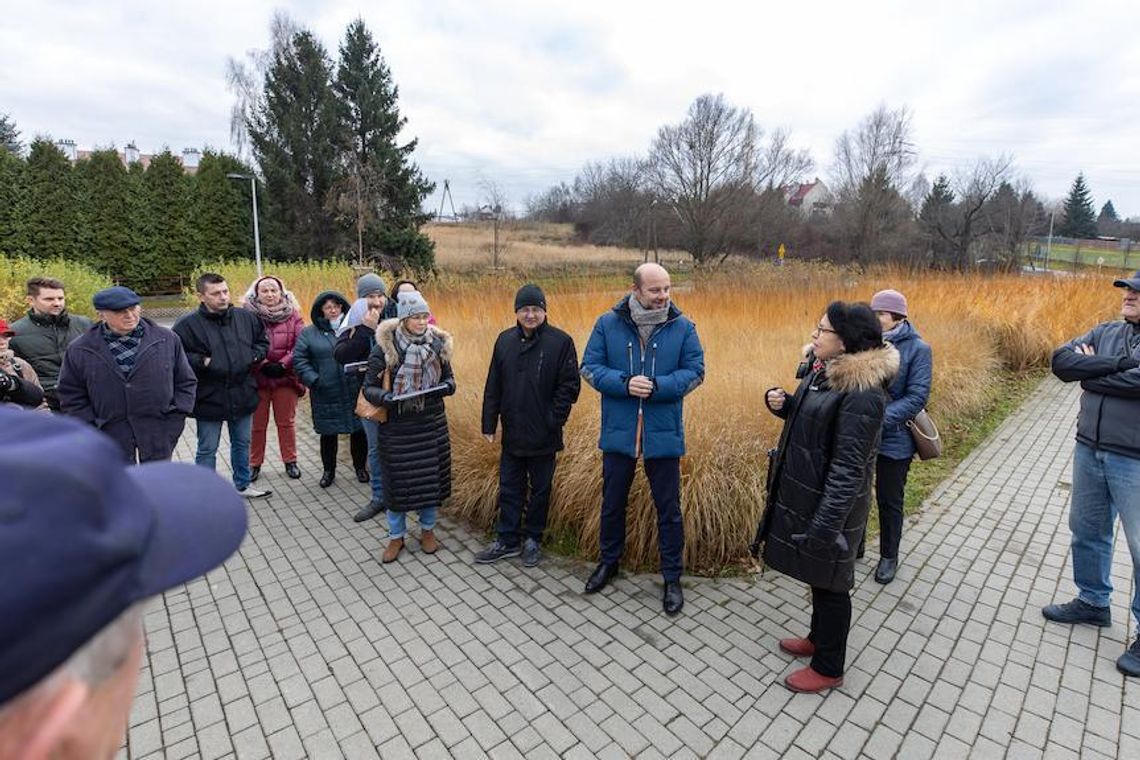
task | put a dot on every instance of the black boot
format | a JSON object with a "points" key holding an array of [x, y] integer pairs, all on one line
{"points": [[673, 599], [362, 475], [885, 572], [602, 575], [327, 478], [292, 470]]}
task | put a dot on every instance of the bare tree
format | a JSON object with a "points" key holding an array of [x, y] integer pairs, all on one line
{"points": [[246, 79], [960, 224], [882, 143], [709, 168]]}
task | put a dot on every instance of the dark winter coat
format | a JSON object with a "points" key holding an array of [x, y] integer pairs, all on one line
{"points": [[414, 446], [234, 341], [282, 337], [1109, 419], [821, 484], [531, 384], [41, 340], [909, 391], [144, 410], [333, 397], [672, 358]]}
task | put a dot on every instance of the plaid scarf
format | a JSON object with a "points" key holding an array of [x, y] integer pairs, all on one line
{"points": [[124, 347], [421, 367]]}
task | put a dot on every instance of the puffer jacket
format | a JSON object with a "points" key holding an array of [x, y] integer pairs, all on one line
{"points": [[333, 398], [40, 340], [414, 444], [909, 391], [531, 384], [234, 341], [1110, 405], [282, 338], [821, 483], [672, 358]]}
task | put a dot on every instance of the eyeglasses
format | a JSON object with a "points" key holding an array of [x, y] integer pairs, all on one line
{"points": [[820, 330]]}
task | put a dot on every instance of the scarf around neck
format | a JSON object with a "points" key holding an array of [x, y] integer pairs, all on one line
{"points": [[421, 367], [646, 319], [275, 314]]}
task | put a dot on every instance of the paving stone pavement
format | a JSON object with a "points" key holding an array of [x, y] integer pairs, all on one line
{"points": [[304, 645]]}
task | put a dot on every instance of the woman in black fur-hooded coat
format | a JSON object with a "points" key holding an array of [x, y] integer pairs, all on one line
{"points": [[414, 446], [820, 490]]}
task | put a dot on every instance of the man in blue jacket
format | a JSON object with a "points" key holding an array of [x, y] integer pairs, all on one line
{"points": [[644, 357], [1106, 464]]}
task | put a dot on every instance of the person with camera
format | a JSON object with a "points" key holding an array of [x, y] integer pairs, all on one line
{"points": [[18, 382]]}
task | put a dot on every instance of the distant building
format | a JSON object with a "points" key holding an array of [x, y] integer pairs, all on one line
{"points": [[131, 155], [809, 197]]}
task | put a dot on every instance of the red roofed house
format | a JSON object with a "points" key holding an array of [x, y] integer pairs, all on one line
{"points": [[809, 197]]}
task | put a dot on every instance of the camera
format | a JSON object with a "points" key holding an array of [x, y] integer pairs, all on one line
{"points": [[7, 383]]}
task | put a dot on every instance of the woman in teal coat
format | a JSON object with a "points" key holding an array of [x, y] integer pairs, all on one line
{"points": [[333, 392]]}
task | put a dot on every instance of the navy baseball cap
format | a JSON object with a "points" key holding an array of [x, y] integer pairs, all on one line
{"points": [[1132, 282], [83, 536]]}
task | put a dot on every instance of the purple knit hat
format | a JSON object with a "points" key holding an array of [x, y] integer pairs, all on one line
{"points": [[889, 300]]}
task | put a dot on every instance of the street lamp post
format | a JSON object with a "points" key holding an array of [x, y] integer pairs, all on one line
{"points": [[256, 232]]}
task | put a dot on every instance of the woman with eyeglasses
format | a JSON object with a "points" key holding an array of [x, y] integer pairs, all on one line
{"points": [[820, 491]]}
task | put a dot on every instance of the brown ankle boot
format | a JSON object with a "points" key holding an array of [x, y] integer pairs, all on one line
{"points": [[392, 550], [429, 543]]}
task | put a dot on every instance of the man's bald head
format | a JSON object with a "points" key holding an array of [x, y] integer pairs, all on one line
{"points": [[651, 286]]}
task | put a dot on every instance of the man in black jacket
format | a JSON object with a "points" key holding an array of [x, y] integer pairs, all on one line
{"points": [[45, 332], [531, 384], [1106, 464], [223, 344]]}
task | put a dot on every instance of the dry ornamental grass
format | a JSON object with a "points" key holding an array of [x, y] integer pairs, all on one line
{"points": [[752, 320]]}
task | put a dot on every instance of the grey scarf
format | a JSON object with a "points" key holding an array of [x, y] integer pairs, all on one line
{"points": [[646, 319]]}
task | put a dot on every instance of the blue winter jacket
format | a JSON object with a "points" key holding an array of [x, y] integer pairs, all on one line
{"points": [[672, 358], [909, 392]]}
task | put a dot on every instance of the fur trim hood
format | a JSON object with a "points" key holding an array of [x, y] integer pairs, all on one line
{"points": [[386, 340], [864, 370]]}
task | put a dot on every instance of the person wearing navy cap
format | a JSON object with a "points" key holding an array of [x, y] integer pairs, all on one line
{"points": [[83, 544], [1106, 464], [130, 378]]}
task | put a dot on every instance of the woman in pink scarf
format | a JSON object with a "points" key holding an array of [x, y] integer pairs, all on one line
{"points": [[277, 384]]}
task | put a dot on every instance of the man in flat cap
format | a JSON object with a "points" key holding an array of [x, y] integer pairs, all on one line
{"points": [[84, 543], [44, 333], [129, 377], [1106, 465]]}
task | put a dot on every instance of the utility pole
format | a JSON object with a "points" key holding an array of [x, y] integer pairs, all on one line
{"points": [[256, 233]]}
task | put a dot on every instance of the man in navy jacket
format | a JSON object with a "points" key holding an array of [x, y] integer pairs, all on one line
{"points": [[644, 357]]}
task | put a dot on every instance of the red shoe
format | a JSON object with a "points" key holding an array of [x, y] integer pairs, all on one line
{"points": [[797, 647], [808, 681]]}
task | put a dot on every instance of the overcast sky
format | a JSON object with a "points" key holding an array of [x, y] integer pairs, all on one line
{"points": [[522, 93]]}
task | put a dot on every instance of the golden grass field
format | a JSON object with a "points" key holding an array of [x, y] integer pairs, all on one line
{"points": [[753, 320]]}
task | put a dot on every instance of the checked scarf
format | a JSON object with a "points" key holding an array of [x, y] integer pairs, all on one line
{"points": [[421, 367], [124, 348]]}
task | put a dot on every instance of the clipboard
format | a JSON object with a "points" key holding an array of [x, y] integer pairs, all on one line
{"points": [[414, 394]]}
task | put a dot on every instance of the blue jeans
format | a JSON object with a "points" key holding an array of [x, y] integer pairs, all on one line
{"points": [[1104, 485], [210, 435], [398, 521], [372, 433]]}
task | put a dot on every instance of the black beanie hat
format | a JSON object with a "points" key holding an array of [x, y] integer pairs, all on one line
{"points": [[530, 295], [856, 325]]}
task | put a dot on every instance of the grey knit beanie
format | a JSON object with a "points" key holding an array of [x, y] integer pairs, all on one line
{"points": [[410, 304], [370, 283]]}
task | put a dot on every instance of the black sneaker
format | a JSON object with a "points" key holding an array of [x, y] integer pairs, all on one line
{"points": [[1077, 611], [1129, 662], [531, 553], [496, 552]]}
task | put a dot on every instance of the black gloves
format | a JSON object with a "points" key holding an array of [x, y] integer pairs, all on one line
{"points": [[273, 369]]}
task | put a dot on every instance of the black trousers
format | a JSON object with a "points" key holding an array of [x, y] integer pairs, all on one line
{"points": [[890, 484], [664, 477], [830, 623], [357, 445], [517, 476]]}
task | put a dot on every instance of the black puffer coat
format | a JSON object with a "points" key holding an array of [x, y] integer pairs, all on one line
{"points": [[821, 485], [414, 446], [531, 383]]}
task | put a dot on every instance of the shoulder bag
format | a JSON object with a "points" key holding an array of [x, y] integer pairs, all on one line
{"points": [[927, 440]]}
